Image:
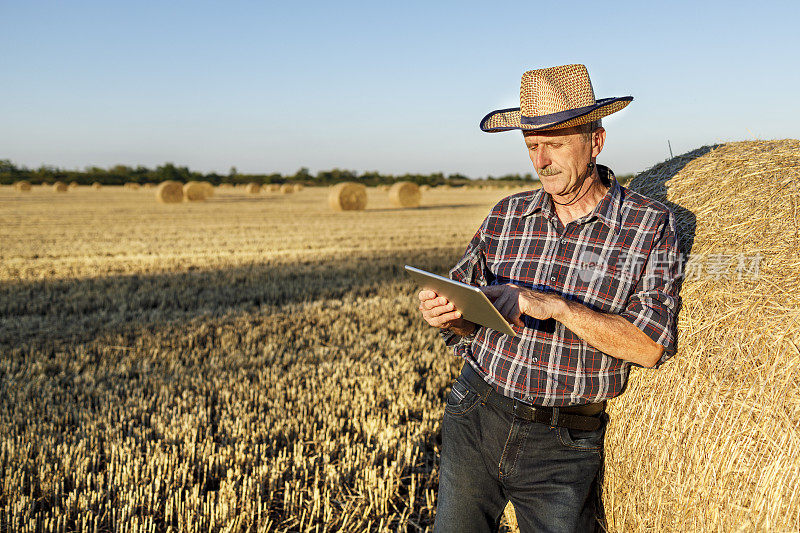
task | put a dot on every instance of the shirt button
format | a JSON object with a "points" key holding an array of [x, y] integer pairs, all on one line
{"points": [[529, 398], [552, 278], [535, 359]]}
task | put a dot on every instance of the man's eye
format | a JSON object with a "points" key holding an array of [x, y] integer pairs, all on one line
{"points": [[532, 147]]}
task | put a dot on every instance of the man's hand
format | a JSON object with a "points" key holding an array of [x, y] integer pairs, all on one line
{"points": [[439, 312], [514, 301]]}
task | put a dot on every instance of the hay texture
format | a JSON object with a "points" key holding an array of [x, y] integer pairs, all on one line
{"points": [[194, 191], [347, 196], [405, 194], [169, 192], [287, 188], [22, 186], [208, 188], [253, 188], [97, 185], [274, 187], [60, 186], [711, 440], [131, 186], [73, 184]]}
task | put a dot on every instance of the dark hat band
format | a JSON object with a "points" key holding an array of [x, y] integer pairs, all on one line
{"points": [[560, 116]]}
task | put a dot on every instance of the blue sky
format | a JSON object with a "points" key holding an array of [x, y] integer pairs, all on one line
{"points": [[393, 87]]}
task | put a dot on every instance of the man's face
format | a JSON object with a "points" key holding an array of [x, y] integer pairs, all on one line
{"points": [[560, 157]]}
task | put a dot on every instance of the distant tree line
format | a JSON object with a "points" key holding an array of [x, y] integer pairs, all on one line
{"points": [[121, 174]]}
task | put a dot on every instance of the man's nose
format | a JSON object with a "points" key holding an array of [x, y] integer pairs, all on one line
{"points": [[541, 159]]}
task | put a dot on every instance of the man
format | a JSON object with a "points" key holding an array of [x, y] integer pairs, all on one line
{"points": [[587, 272]]}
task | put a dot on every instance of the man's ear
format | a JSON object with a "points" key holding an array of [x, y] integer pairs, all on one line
{"points": [[598, 140]]}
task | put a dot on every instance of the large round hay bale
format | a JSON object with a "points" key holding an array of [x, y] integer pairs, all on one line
{"points": [[274, 187], [73, 184], [287, 188], [209, 188], [194, 191], [712, 438], [405, 194], [169, 192], [298, 187], [60, 186], [22, 186], [97, 185], [253, 188], [148, 185], [225, 186], [131, 186], [347, 196]]}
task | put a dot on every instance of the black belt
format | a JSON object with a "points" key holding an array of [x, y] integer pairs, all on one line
{"points": [[552, 416]]}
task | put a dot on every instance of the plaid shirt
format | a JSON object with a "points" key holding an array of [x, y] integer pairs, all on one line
{"points": [[622, 259]]}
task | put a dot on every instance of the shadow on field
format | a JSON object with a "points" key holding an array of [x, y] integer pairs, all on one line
{"points": [[52, 313], [240, 199], [426, 207]]}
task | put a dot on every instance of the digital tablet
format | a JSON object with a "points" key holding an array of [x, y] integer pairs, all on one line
{"points": [[473, 304]]}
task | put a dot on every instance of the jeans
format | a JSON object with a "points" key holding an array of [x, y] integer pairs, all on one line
{"points": [[490, 456]]}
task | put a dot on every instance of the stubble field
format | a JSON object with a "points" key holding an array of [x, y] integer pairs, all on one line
{"points": [[248, 363]]}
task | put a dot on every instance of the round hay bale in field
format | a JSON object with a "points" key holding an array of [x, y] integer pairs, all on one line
{"points": [[169, 192], [22, 185], [60, 186], [97, 185], [713, 436], [287, 188], [209, 188], [148, 185], [298, 187], [225, 186], [253, 188], [274, 187], [194, 191], [405, 194], [347, 196], [73, 184]]}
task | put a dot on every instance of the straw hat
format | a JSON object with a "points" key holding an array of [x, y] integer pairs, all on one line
{"points": [[553, 98]]}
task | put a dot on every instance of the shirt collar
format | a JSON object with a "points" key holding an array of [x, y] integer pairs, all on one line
{"points": [[608, 209]]}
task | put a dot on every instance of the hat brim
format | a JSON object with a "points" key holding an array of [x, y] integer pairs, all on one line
{"points": [[511, 119]]}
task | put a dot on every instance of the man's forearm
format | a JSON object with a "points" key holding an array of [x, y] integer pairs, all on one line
{"points": [[611, 334]]}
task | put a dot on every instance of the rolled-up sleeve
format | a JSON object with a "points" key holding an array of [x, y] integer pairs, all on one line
{"points": [[471, 269], [653, 306]]}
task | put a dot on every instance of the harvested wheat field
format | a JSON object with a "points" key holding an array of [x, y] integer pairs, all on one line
{"points": [[251, 361], [257, 362]]}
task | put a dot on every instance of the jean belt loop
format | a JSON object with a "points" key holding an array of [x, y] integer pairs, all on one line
{"points": [[554, 417]]}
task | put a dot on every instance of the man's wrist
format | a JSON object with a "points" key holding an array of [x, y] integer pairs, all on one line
{"points": [[560, 308], [464, 330]]}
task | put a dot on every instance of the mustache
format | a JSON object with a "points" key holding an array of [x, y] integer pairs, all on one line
{"points": [[547, 171]]}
